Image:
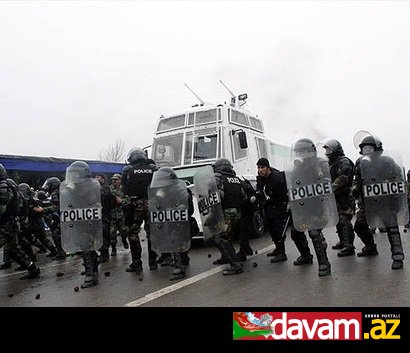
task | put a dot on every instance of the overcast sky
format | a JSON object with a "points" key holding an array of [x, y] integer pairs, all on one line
{"points": [[77, 76]]}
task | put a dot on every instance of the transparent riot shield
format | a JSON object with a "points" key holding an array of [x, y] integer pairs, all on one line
{"points": [[311, 197], [384, 189], [209, 202], [168, 208], [80, 215]]}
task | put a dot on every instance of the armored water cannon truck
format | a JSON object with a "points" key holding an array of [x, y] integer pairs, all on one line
{"points": [[196, 137]]}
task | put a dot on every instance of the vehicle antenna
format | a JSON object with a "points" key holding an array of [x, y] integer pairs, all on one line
{"points": [[202, 102], [233, 98]]}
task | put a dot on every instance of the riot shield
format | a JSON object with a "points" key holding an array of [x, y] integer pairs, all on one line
{"points": [[311, 197], [80, 215], [209, 202], [384, 189], [168, 208]]}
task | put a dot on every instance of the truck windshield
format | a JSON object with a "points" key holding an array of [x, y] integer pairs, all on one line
{"points": [[167, 150], [205, 147]]}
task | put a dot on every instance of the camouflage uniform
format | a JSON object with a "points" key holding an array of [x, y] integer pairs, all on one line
{"points": [[9, 225], [117, 218]]}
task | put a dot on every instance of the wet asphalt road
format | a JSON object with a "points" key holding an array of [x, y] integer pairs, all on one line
{"points": [[354, 281]]}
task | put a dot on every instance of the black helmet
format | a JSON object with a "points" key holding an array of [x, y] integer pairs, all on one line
{"points": [[164, 176], [3, 172], [51, 184], [334, 145], [222, 165], [371, 140], [41, 195], [78, 171], [25, 190], [304, 148], [168, 171], [135, 155]]}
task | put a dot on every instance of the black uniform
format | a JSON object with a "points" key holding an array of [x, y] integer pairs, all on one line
{"points": [[273, 193], [232, 196], [136, 179], [342, 172]]}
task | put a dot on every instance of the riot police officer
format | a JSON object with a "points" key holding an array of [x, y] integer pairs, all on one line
{"points": [[373, 170], [312, 203], [33, 230], [81, 217], [9, 225], [136, 178], [170, 206], [52, 185], [341, 172], [232, 196]]}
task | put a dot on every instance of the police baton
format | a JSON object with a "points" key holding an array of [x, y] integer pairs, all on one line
{"points": [[285, 226]]}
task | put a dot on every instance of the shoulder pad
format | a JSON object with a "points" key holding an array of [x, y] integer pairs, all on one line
{"points": [[127, 168]]}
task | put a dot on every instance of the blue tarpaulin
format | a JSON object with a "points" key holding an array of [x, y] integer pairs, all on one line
{"points": [[51, 164]]}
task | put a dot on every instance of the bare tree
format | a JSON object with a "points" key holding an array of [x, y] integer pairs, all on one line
{"points": [[114, 152]]}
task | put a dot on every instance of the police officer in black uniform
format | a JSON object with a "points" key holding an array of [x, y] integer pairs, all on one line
{"points": [[136, 177], [371, 145], [9, 225], [232, 196], [271, 188], [342, 172]]}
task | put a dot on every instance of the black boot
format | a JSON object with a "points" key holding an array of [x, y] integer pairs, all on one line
{"points": [[228, 252], [113, 250], [305, 258], [91, 271], [179, 271], [396, 248], [167, 259], [136, 252], [185, 258], [221, 261], [53, 250], [33, 272], [152, 256], [346, 251], [364, 233], [104, 255], [61, 255], [347, 233], [324, 264], [368, 250], [281, 255], [340, 244], [241, 254], [274, 252], [124, 242]]}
